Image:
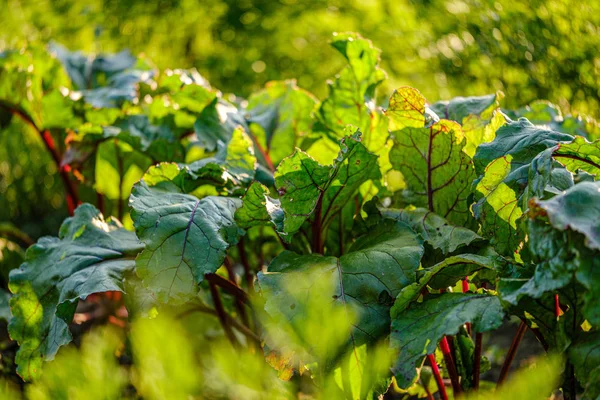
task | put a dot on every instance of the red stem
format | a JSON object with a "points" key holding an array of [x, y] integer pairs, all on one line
{"points": [[557, 310], [450, 367], [512, 351], [438, 376], [71, 196]]}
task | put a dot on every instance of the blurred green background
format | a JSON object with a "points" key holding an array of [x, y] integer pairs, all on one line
{"points": [[538, 49]]}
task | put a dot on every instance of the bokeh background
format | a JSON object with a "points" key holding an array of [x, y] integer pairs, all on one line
{"points": [[537, 49]]}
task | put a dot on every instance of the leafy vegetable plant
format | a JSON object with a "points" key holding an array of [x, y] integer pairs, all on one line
{"points": [[338, 243]]}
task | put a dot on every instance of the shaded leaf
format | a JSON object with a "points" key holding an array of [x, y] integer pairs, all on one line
{"points": [[89, 256], [417, 330]]}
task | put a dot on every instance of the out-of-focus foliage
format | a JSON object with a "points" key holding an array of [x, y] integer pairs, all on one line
{"points": [[536, 49]]}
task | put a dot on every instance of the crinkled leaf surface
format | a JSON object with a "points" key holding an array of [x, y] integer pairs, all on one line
{"points": [[417, 331], [580, 154], [437, 172], [258, 208], [303, 183], [435, 230], [365, 280], [504, 167], [477, 115], [561, 256], [279, 116], [185, 237], [89, 256]]}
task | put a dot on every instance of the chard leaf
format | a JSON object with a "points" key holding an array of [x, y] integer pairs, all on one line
{"points": [[585, 356], [417, 330], [104, 80], [364, 281], [185, 237], [520, 150], [435, 230], [579, 155], [561, 256], [258, 208], [307, 188], [216, 123], [478, 116], [351, 101], [437, 172], [441, 275], [90, 255], [279, 116]]}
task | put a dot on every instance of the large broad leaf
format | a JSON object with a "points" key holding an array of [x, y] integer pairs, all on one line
{"points": [[585, 356], [89, 256], [364, 281], [351, 101], [438, 173], [417, 330], [520, 150], [307, 188], [185, 237], [556, 230], [279, 116], [477, 115]]}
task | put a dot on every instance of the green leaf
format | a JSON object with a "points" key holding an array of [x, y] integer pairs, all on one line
{"points": [[364, 281], [477, 115], [303, 183], [416, 331], [585, 356], [440, 276], [351, 93], [520, 150], [520, 140], [279, 116], [104, 80], [351, 101], [258, 208], [435, 230], [89, 256], [216, 123], [406, 109], [437, 172], [577, 209], [579, 155], [185, 237]]}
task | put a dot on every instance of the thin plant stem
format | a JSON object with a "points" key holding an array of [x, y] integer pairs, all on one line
{"points": [[477, 360], [512, 351], [450, 367], [438, 376], [214, 292]]}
